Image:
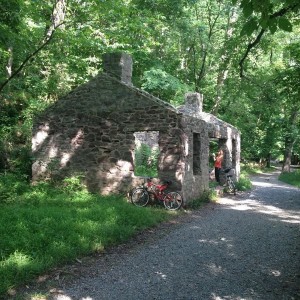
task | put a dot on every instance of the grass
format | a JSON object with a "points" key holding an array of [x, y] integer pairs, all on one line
{"points": [[255, 168], [44, 226], [292, 178]]}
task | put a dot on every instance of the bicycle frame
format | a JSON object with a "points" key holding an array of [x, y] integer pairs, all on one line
{"points": [[157, 189], [141, 195]]}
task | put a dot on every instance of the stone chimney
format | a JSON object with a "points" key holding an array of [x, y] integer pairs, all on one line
{"points": [[118, 65], [194, 102]]}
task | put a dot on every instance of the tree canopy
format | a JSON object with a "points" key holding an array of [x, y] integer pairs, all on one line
{"points": [[242, 55]]}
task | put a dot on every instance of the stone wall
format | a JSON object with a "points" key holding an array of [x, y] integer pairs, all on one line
{"points": [[92, 133], [194, 184], [149, 138]]}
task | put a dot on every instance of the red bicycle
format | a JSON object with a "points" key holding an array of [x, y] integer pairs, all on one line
{"points": [[140, 196]]}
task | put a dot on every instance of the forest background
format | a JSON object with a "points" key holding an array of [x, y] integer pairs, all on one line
{"points": [[243, 56]]}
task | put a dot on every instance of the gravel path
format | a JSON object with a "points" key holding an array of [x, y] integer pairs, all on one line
{"points": [[245, 247]]}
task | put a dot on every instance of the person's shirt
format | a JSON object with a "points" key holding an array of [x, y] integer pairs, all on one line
{"points": [[218, 161]]}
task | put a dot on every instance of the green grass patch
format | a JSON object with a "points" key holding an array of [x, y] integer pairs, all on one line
{"points": [[255, 168], [292, 178], [44, 226]]}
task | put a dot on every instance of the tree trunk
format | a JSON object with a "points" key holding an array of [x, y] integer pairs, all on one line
{"points": [[9, 62], [269, 160], [226, 57], [286, 167], [290, 141], [57, 17]]}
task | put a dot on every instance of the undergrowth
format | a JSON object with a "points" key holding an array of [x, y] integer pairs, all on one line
{"points": [[292, 178], [244, 182]]}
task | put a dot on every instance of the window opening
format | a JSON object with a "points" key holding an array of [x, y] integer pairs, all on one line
{"points": [[213, 149], [196, 154], [234, 150], [146, 153]]}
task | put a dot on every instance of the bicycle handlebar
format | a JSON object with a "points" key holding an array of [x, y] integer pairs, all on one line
{"points": [[149, 179]]}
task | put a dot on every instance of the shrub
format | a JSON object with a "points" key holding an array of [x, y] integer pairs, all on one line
{"points": [[12, 185], [244, 183]]}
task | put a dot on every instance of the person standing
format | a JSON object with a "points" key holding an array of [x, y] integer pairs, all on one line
{"points": [[218, 165]]}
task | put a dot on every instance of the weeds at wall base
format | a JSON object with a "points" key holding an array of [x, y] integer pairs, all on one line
{"points": [[206, 197]]}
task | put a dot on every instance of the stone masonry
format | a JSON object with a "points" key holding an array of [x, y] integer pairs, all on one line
{"points": [[91, 132]]}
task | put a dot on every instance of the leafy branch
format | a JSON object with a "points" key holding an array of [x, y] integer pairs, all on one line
{"points": [[57, 17], [30, 56], [271, 24]]}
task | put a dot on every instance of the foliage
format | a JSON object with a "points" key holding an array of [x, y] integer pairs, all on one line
{"points": [[252, 168], [11, 186], [146, 161], [268, 14], [43, 226], [292, 178], [164, 86], [244, 183], [187, 45]]}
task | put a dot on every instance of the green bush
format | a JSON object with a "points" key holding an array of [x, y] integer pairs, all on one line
{"points": [[244, 183], [254, 168], [11, 186], [73, 184]]}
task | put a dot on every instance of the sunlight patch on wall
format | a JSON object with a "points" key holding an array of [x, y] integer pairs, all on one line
{"points": [[65, 158], [53, 159], [39, 138], [121, 169], [53, 151]]}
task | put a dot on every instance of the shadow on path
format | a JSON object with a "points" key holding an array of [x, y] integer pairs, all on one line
{"points": [[245, 247]]}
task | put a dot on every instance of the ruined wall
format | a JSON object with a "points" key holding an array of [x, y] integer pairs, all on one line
{"points": [[195, 181], [208, 126], [91, 132]]}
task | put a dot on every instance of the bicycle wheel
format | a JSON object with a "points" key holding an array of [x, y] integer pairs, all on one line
{"points": [[173, 201], [231, 187], [140, 197]]}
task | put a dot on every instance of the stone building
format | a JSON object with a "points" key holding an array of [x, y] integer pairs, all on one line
{"points": [[92, 132]]}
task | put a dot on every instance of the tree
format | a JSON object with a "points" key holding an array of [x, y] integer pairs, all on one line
{"points": [[289, 84], [49, 47]]}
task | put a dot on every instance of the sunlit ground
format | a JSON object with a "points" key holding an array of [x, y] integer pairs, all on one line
{"points": [[250, 202], [253, 204]]}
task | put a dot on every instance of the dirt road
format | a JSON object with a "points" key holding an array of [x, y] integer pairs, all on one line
{"points": [[244, 247]]}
